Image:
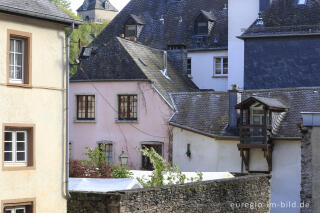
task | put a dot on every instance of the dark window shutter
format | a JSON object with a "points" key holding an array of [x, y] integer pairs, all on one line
{"points": [[29, 209]]}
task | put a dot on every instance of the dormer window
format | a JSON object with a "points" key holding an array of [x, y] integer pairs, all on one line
{"points": [[133, 26], [204, 23], [131, 31]]}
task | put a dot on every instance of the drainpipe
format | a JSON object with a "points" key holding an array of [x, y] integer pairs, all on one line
{"points": [[67, 110]]}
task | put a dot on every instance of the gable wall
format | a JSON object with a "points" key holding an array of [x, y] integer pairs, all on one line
{"points": [[153, 116]]}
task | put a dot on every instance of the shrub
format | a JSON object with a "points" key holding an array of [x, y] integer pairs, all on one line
{"points": [[120, 172], [161, 169]]}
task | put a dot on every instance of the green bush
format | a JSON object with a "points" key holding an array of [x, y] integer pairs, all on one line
{"points": [[120, 172], [161, 169]]}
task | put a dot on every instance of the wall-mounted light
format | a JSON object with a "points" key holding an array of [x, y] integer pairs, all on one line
{"points": [[188, 153], [123, 159]]}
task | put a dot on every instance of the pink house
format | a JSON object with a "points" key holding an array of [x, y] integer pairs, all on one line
{"points": [[120, 97]]}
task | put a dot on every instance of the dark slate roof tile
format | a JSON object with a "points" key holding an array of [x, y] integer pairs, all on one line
{"points": [[202, 111], [121, 59], [208, 111], [286, 17], [42, 9], [178, 25]]}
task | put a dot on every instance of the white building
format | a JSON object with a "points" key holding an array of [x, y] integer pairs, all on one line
{"points": [[207, 136]]}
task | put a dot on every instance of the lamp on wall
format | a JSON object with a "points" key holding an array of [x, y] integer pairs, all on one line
{"points": [[188, 153], [123, 159]]}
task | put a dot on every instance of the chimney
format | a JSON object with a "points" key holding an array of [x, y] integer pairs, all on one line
{"points": [[165, 61], [234, 99]]}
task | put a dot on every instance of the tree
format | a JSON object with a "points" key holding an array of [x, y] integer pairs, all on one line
{"points": [[62, 3], [83, 36]]}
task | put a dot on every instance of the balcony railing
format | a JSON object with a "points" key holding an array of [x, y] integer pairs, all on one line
{"points": [[253, 134]]}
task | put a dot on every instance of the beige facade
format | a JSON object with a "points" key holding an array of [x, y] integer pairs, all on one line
{"points": [[37, 107]]}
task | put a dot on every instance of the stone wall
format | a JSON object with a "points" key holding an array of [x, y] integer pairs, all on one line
{"points": [[240, 194], [310, 169]]}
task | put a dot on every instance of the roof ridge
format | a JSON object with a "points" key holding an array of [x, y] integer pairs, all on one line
{"points": [[199, 92], [282, 89]]}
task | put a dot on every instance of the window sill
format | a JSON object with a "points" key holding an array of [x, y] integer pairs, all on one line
{"points": [[17, 168], [28, 86], [127, 121], [84, 121], [222, 76]]}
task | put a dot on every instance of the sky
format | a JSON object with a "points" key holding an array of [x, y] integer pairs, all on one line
{"points": [[119, 4]]}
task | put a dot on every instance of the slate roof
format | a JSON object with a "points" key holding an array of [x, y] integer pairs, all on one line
{"points": [[41, 9], [124, 60], [287, 17], [97, 5], [272, 103], [207, 112], [177, 29]]}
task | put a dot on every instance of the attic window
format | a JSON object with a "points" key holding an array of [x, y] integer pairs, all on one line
{"points": [[133, 26], [302, 1], [203, 23], [131, 31]]}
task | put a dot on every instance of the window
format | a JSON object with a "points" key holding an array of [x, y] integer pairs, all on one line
{"points": [[189, 66], [15, 148], [16, 60], [127, 107], [108, 149], [202, 28], [257, 115], [19, 58], [131, 31], [221, 66], [146, 163], [18, 147], [85, 107], [20, 209], [302, 2]]}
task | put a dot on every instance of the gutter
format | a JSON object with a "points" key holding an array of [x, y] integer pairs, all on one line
{"points": [[170, 105], [67, 111], [218, 137], [243, 37]]}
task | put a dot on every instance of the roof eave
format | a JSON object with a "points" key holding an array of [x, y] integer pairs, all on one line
{"points": [[60, 20], [243, 37]]}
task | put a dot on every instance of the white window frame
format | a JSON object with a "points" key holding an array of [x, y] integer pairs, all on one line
{"points": [[14, 151], [14, 79], [261, 116], [14, 209], [222, 63]]}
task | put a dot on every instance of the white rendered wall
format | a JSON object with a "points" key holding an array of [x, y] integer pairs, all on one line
{"points": [[211, 155], [242, 13], [202, 70]]}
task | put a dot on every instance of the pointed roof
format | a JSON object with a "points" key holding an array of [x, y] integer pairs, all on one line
{"points": [[97, 5], [271, 103], [124, 60]]}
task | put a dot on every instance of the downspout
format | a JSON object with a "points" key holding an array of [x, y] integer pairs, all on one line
{"points": [[67, 110]]}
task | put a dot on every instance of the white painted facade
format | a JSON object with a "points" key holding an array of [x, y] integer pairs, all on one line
{"points": [[202, 70], [242, 13], [211, 155]]}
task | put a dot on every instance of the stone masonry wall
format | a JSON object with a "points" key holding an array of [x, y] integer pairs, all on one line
{"points": [[240, 194], [306, 169]]}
